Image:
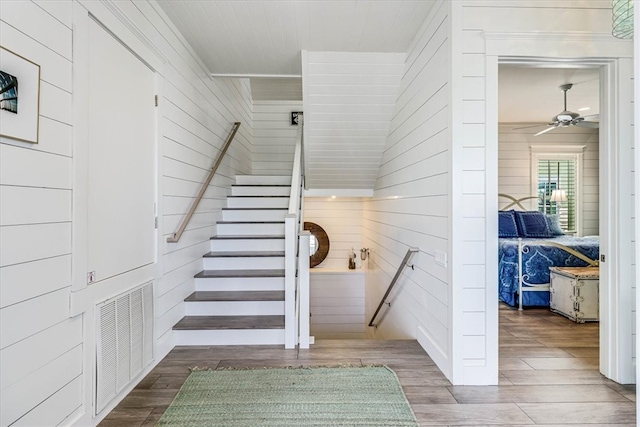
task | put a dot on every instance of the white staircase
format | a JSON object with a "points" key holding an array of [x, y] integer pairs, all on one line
{"points": [[239, 297]]}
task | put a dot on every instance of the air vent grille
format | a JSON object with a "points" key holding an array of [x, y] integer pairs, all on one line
{"points": [[125, 341]]}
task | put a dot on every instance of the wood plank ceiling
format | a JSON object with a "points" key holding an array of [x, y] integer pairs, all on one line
{"points": [[259, 39]]}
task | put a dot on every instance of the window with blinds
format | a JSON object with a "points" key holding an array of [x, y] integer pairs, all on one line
{"points": [[558, 175]]}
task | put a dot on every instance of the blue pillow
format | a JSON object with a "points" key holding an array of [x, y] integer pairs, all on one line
{"points": [[507, 224], [553, 221], [533, 224]]}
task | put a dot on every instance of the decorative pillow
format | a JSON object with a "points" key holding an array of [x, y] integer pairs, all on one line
{"points": [[507, 224], [553, 221], [532, 224]]}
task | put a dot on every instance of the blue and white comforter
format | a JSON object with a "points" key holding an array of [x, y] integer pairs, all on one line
{"points": [[536, 264]]}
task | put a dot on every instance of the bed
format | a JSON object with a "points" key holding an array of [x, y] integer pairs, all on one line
{"points": [[530, 242]]}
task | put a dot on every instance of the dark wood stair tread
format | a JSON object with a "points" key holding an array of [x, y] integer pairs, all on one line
{"points": [[229, 322], [255, 209], [250, 222], [240, 273], [241, 237], [253, 254], [200, 296]]}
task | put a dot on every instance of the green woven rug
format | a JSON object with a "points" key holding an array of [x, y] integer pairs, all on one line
{"points": [[343, 396]]}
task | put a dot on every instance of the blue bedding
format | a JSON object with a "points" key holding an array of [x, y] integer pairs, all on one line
{"points": [[536, 264]]}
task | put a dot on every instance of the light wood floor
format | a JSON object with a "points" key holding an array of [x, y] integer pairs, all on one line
{"points": [[548, 376]]}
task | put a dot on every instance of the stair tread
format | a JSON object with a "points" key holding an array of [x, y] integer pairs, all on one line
{"points": [[236, 296], [240, 273], [242, 237], [282, 197], [261, 185], [255, 209], [229, 322], [250, 222], [245, 254]]}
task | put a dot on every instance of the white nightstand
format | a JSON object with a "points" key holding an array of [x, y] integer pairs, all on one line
{"points": [[574, 293]]}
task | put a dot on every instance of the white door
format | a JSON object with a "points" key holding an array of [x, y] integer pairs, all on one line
{"points": [[121, 158]]}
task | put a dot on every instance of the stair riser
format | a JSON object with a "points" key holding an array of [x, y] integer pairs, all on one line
{"points": [[258, 202], [251, 215], [250, 229], [234, 308], [229, 337], [239, 245], [262, 180], [240, 284], [260, 191], [244, 263]]}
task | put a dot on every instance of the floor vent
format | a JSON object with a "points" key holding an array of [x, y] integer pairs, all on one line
{"points": [[124, 342]]}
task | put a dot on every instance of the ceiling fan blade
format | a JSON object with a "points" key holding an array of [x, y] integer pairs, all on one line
{"points": [[592, 125], [531, 126], [591, 117], [549, 129]]}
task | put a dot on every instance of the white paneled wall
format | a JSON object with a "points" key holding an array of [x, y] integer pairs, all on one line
{"points": [[39, 387], [36, 184], [274, 137], [488, 31], [410, 203], [349, 98], [514, 165], [337, 304], [341, 218]]}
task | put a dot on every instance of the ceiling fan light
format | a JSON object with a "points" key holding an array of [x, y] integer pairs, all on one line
{"points": [[622, 19]]}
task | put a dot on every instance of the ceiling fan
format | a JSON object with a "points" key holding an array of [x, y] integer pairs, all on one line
{"points": [[567, 118]]}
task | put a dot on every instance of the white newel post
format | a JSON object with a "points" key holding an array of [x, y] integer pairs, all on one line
{"points": [[305, 238], [290, 241]]}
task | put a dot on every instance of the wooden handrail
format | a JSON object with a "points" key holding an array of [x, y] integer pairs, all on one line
{"points": [[176, 236], [404, 264]]}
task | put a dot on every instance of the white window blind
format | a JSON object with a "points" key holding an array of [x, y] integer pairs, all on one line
{"points": [[558, 174]]}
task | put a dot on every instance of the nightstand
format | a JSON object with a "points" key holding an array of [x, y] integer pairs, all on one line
{"points": [[574, 293]]}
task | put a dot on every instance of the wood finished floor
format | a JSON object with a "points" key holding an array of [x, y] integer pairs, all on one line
{"points": [[548, 376]]}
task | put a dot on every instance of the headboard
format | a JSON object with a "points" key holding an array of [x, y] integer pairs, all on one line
{"points": [[514, 203]]}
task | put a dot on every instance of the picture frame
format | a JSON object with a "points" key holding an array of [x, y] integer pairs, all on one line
{"points": [[20, 97]]}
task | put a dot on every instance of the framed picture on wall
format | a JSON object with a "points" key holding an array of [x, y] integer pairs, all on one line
{"points": [[19, 97]]}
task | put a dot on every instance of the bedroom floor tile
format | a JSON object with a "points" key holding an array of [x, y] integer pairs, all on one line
{"points": [[513, 364], [560, 363], [540, 377], [535, 394], [580, 413]]}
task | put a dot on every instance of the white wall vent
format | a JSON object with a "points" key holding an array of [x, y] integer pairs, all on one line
{"points": [[124, 343]]}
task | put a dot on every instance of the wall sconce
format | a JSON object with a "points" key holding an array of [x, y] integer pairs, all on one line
{"points": [[622, 19]]}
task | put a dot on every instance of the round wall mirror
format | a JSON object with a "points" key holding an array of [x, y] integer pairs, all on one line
{"points": [[319, 243]]}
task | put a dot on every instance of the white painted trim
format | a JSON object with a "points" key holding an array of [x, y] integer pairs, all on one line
{"points": [[615, 322], [636, 35], [559, 36], [341, 192], [455, 363], [303, 271], [256, 76], [557, 149], [491, 229]]}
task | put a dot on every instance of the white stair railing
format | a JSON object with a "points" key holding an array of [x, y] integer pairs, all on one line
{"points": [[296, 275]]}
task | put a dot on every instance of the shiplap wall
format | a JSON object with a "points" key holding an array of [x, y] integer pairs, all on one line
{"points": [[36, 182], [349, 99], [337, 304], [341, 218], [514, 165], [41, 348], [410, 203], [274, 137], [529, 28]]}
